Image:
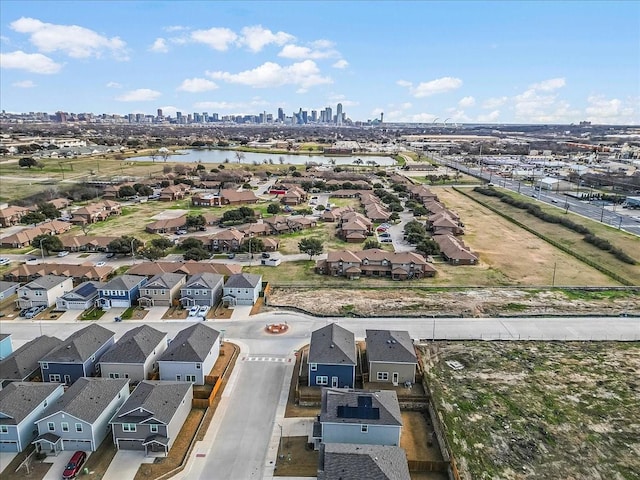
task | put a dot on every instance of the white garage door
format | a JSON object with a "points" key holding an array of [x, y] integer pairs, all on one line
{"points": [[73, 445], [119, 303], [8, 446]]}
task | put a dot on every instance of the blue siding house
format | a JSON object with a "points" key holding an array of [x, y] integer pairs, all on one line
{"points": [[78, 355], [332, 357], [21, 404], [6, 347], [122, 292]]}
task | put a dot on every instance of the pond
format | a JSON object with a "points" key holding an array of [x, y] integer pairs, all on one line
{"points": [[229, 156]]}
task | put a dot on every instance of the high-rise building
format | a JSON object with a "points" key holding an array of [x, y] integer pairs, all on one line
{"points": [[328, 115], [314, 116], [281, 115], [339, 114], [159, 113]]}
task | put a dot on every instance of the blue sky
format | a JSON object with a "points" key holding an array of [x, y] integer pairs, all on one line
{"points": [[456, 61]]}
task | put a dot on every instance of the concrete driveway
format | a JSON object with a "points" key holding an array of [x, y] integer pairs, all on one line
{"points": [[5, 459], [155, 314], [125, 465], [69, 316], [111, 314], [58, 464]]}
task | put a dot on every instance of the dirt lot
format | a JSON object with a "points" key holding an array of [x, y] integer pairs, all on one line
{"points": [[539, 410], [479, 302]]}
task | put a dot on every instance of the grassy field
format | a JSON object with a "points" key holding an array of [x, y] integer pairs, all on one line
{"points": [[539, 410]]}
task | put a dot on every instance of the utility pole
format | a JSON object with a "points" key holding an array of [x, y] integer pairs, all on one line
{"points": [[553, 279]]}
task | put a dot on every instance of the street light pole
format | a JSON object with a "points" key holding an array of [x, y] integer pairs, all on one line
{"points": [[133, 254], [280, 455]]}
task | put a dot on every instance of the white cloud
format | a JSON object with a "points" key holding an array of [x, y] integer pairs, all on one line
{"points": [[540, 104], [170, 110], [467, 102], [216, 38], [549, 85], [256, 37], [303, 74], [611, 110], [298, 52], [31, 62], [490, 117], [174, 28], [195, 85], [73, 40], [426, 89], [24, 84], [139, 95], [342, 63], [113, 85], [159, 46], [494, 102]]}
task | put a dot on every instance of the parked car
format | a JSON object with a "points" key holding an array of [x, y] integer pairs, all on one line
{"points": [[193, 311], [63, 253], [110, 255], [386, 240], [202, 228], [4, 261], [385, 235], [34, 311], [101, 264], [75, 464], [266, 255], [231, 255], [181, 232], [204, 309]]}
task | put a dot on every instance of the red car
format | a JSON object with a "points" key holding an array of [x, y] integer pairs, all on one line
{"points": [[73, 467]]}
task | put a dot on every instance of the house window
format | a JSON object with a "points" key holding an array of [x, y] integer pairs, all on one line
{"points": [[163, 292], [188, 292], [45, 365], [364, 428], [128, 427], [78, 427], [313, 367], [51, 426], [153, 428], [198, 366], [38, 293], [65, 426], [114, 375], [322, 380], [54, 377], [4, 429], [190, 378], [382, 376]]}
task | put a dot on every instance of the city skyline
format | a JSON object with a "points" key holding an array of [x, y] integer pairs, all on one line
{"points": [[460, 62]]}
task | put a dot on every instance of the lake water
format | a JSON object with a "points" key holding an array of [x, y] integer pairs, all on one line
{"points": [[229, 156]]}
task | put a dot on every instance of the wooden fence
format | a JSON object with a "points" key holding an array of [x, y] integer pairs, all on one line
{"points": [[428, 465]]}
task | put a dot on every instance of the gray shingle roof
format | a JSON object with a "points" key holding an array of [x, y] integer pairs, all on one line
{"points": [[153, 399], [243, 280], [165, 280], [346, 461], [4, 286], [87, 398], [386, 401], [192, 344], [45, 282], [123, 282], [24, 361], [134, 346], [332, 345], [19, 399], [390, 346], [84, 291], [207, 280], [80, 345]]}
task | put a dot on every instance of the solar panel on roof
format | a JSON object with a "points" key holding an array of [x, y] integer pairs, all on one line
{"points": [[86, 289], [364, 401], [365, 413]]}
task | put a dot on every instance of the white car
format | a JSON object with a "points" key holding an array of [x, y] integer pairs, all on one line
{"points": [[193, 311], [63, 253], [4, 261], [101, 264], [202, 312]]}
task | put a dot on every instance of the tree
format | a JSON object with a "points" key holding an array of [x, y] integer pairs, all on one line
{"points": [[49, 210], [27, 162], [239, 156], [310, 246], [274, 208], [152, 253], [48, 243], [195, 221], [428, 246], [256, 244], [371, 244], [191, 243], [162, 243], [126, 191], [145, 190], [123, 245], [196, 254], [32, 217]]}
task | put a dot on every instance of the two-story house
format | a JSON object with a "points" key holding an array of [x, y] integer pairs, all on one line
{"points": [[191, 355], [21, 404], [80, 298], [391, 356], [242, 289], [122, 291], [162, 290], [22, 365], [152, 416], [134, 355], [332, 357], [79, 419], [43, 291], [226, 241], [202, 289], [77, 356]]}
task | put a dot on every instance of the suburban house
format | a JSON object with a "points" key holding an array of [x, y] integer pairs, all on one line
{"points": [[226, 241], [242, 289], [22, 365], [202, 289], [349, 461], [11, 216], [191, 355], [422, 194], [79, 273], [375, 262], [25, 237], [173, 192], [6, 346], [122, 292], [43, 291], [77, 356], [21, 404], [79, 419], [152, 416], [167, 225], [80, 298], [86, 243], [191, 267], [391, 356], [224, 197], [442, 223], [354, 227], [162, 290], [294, 195], [8, 289], [454, 251], [96, 212], [335, 214], [134, 355], [358, 416], [332, 357]]}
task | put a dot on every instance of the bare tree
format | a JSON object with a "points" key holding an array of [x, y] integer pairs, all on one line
{"points": [[239, 156]]}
